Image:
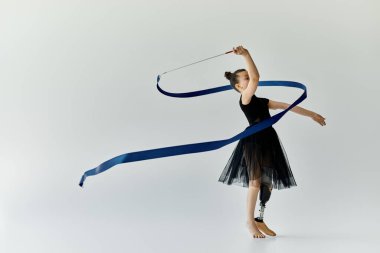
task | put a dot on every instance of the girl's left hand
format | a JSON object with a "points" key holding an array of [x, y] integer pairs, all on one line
{"points": [[240, 50], [318, 118]]}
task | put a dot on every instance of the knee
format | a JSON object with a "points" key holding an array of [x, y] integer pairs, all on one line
{"points": [[254, 183], [265, 192], [269, 187]]}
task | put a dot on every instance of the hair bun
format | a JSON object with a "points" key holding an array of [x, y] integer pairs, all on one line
{"points": [[228, 75]]}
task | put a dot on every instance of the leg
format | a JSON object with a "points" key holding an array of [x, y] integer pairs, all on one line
{"points": [[265, 192], [253, 190]]}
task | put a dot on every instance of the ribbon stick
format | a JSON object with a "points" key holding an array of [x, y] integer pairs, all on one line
{"points": [[201, 146]]}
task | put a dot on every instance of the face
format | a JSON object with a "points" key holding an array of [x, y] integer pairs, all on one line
{"points": [[243, 79]]}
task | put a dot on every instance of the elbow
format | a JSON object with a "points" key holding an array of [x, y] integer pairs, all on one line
{"points": [[285, 106], [255, 79]]}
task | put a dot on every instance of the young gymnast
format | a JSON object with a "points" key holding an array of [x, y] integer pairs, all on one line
{"points": [[259, 161]]}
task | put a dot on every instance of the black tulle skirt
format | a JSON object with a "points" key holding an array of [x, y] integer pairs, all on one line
{"points": [[259, 156]]}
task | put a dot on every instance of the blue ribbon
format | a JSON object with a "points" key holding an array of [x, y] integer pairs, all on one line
{"points": [[201, 146]]}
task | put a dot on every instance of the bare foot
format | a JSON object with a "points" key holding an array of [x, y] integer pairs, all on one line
{"points": [[254, 230]]}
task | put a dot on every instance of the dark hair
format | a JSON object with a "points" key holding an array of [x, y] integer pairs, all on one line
{"points": [[233, 77]]}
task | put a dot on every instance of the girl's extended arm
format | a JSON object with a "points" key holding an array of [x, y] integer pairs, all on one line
{"points": [[272, 104], [302, 111]]}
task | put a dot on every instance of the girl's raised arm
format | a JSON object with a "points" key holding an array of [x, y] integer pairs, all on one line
{"points": [[253, 73]]}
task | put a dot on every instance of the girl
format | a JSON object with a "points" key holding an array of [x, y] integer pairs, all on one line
{"points": [[259, 161]]}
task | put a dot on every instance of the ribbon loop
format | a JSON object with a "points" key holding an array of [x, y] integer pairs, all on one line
{"points": [[201, 146]]}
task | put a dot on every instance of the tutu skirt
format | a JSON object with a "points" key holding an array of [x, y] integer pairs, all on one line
{"points": [[259, 156]]}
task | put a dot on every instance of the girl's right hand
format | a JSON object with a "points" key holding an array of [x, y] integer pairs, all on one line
{"points": [[240, 50], [319, 119]]}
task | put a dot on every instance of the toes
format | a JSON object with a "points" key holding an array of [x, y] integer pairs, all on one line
{"points": [[259, 236]]}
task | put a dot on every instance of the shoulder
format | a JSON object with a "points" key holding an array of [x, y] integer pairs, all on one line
{"points": [[253, 98], [264, 100]]}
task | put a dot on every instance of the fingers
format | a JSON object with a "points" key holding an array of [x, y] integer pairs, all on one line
{"points": [[238, 50], [322, 122], [319, 119]]}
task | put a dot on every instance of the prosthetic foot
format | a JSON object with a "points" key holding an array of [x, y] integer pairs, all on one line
{"points": [[265, 193]]}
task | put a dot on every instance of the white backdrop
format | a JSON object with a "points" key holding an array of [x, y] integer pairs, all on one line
{"points": [[78, 88]]}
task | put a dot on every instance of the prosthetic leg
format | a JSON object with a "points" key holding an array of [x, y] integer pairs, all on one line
{"points": [[265, 192], [264, 197]]}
